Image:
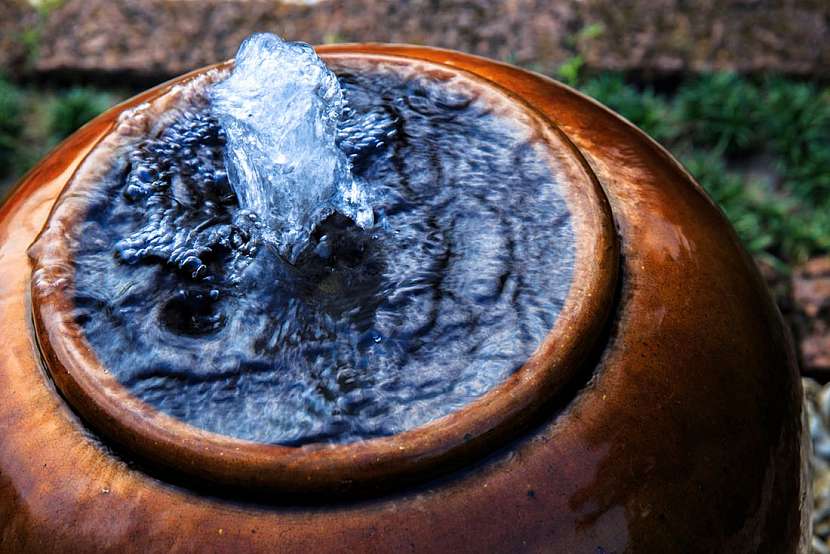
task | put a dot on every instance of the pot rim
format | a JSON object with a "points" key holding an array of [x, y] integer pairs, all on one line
{"points": [[378, 463]]}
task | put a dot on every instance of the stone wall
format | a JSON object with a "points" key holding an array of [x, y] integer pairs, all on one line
{"points": [[161, 38]]}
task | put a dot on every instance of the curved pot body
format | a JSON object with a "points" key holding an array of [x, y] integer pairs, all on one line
{"points": [[677, 429]]}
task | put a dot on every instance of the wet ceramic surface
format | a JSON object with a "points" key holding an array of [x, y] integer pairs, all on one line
{"points": [[680, 433]]}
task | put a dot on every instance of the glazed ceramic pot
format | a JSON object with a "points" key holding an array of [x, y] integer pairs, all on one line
{"points": [[662, 411]]}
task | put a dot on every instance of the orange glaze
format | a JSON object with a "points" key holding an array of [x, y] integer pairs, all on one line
{"points": [[677, 429]]}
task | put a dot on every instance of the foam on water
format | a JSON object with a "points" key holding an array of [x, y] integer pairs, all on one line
{"points": [[279, 110]]}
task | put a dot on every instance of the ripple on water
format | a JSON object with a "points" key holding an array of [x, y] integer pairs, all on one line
{"points": [[370, 332]]}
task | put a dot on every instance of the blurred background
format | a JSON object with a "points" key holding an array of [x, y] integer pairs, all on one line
{"points": [[738, 90]]}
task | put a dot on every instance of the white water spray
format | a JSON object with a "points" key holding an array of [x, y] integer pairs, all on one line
{"points": [[280, 109]]}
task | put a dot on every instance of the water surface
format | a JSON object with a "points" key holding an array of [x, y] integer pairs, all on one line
{"points": [[369, 332]]}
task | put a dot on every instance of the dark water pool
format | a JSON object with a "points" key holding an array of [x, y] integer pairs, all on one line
{"points": [[370, 333]]}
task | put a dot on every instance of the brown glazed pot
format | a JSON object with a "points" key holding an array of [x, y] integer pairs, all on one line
{"points": [[661, 414]]}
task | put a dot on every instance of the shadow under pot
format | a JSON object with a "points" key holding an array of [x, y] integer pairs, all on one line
{"points": [[550, 339]]}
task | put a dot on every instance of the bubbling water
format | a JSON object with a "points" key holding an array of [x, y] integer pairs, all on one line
{"points": [[368, 331], [279, 110]]}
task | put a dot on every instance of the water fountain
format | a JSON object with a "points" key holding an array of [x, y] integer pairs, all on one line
{"points": [[395, 298]]}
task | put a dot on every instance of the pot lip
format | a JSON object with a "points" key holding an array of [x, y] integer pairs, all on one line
{"points": [[378, 463]]}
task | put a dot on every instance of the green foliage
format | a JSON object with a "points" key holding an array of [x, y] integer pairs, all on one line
{"points": [[739, 198], [32, 33], [716, 119], [798, 126], [32, 120], [797, 114], [644, 109], [773, 225], [721, 111], [570, 71], [74, 108], [30, 39], [809, 178], [45, 6], [11, 125], [590, 32]]}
